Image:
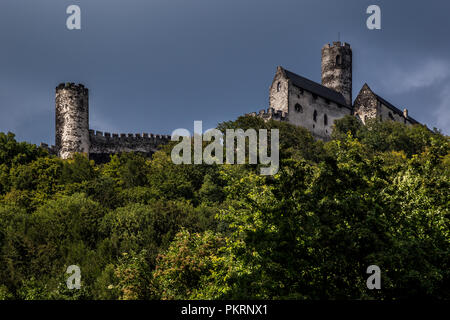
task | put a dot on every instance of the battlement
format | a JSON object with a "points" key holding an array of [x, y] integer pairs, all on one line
{"points": [[270, 113], [337, 44], [72, 86], [51, 149], [128, 136], [103, 144]]}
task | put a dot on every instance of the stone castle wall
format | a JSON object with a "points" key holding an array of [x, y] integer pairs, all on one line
{"points": [[279, 92], [385, 113], [366, 104], [72, 133], [104, 144], [269, 114], [314, 112], [369, 106]]}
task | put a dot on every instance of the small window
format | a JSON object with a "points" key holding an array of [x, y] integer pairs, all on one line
{"points": [[338, 60], [325, 120], [391, 116], [298, 108], [381, 118], [314, 96], [278, 86], [315, 116]]}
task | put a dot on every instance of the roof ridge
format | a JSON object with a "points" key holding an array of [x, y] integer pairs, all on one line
{"points": [[316, 88]]}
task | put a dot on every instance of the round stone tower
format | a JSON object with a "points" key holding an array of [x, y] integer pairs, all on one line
{"points": [[337, 69], [72, 120]]}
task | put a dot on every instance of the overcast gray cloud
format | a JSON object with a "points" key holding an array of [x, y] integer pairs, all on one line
{"points": [[154, 66], [442, 113], [418, 75]]}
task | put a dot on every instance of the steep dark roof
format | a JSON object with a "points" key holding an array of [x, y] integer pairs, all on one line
{"points": [[395, 109], [315, 88]]}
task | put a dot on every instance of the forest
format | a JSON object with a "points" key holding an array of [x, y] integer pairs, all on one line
{"points": [[141, 228]]}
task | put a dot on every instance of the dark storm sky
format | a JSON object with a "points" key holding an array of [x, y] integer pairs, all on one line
{"points": [[154, 66]]}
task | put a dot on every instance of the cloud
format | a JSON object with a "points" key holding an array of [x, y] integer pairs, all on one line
{"points": [[442, 113], [429, 73], [99, 123]]}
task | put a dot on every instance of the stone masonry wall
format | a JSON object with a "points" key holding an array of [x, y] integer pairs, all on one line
{"points": [[314, 112], [278, 92], [104, 144], [366, 104], [337, 69], [71, 120], [385, 113]]}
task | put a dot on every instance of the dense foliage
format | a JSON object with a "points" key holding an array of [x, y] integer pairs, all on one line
{"points": [[148, 229]]}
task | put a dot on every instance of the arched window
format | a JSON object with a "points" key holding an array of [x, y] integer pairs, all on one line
{"points": [[325, 120], [298, 108], [278, 86], [338, 60], [315, 116], [391, 116]]}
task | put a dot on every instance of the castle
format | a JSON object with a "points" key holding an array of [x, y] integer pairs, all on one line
{"points": [[292, 98], [73, 135], [315, 106]]}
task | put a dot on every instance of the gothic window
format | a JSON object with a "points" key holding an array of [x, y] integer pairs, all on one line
{"points": [[338, 60], [315, 116], [298, 108], [278, 86], [325, 120]]}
